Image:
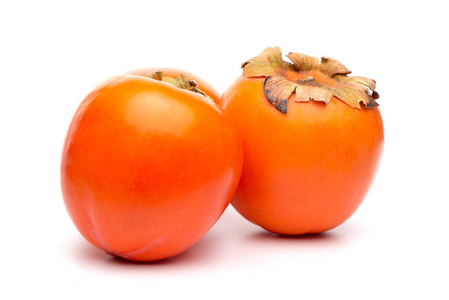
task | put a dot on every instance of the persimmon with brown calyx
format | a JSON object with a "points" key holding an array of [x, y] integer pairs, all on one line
{"points": [[312, 140], [149, 164]]}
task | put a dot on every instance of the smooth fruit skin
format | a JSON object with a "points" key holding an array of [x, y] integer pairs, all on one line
{"points": [[148, 168], [306, 171]]}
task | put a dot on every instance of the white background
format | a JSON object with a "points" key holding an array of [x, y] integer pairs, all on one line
{"points": [[394, 247]]}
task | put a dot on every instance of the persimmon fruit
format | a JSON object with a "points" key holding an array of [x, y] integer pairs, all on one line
{"points": [[312, 139], [149, 164]]}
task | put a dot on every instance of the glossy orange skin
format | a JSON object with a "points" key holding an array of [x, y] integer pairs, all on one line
{"points": [[148, 168], [306, 171]]}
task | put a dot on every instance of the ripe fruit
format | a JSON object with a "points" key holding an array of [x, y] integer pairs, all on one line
{"points": [[312, 139], [149, 164]]}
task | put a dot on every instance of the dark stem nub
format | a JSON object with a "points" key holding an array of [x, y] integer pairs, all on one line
{"points": [[309, 80], [156, 75]]}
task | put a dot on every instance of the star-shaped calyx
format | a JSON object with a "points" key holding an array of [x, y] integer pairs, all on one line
{"points": [[310, 78]]}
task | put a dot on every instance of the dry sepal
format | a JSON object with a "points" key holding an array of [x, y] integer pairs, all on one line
{"points": [[310, 78], [181, 82]]}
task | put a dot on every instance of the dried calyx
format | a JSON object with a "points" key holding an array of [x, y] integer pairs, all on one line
{"points": [[309, 78], [181, 82]]}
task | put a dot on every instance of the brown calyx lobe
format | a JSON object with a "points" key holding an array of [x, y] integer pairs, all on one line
{"points": [[309, 78]]}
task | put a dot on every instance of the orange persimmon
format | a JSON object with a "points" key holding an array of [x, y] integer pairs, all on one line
{"points": [[312, 140], [149, 164]]}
